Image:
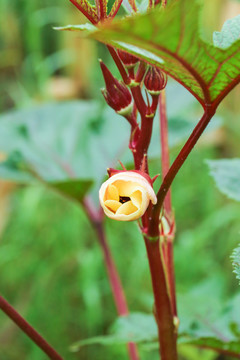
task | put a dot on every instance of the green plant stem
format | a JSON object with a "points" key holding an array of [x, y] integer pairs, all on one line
{"points": [[96, 219], [163, 309], [28, 330], [153, 230]]}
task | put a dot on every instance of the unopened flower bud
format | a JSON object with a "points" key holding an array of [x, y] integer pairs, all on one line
{"points": [[155, 80], [128, 59], [125, 196], [116, 93]]}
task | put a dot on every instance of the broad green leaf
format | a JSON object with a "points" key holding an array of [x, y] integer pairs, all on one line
{"points": [[226, 173], [63, 144], [74, 189], [136, 327], [217, 327], [229, 33], [236, 262], [16, 169], [72, 142], [169, 38]]}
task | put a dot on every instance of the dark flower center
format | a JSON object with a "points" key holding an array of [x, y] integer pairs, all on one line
{"points": [[123, 199]]}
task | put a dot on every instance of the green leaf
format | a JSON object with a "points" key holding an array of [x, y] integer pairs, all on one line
{"points": [[136, 327], [169, 38], [211, 325], [231, 347], [226, 173], [236, 262], [73, 189], [229, 34], [66, 145], [75, 142]]}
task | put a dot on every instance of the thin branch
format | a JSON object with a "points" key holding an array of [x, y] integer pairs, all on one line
{"points": [[95, 217], [115, 282], [165, 160], [177, 164], [119, 64], [28, 330]]}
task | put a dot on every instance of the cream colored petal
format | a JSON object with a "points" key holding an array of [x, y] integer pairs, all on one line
{"points": [[112, 193], [126, 209], [136, 198], [125, 188], [128, 183], [112, 205]]}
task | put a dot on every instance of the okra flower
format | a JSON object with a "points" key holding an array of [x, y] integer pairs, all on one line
{"points": [[125, 196]]}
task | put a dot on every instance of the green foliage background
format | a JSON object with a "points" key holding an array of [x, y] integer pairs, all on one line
{"points": [[50, 262]]}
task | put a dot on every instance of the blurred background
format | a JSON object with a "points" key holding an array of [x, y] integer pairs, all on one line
{"points": [[51, 266]]}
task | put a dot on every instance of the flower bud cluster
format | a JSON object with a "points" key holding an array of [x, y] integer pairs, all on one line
{"points": [[116, 93]]}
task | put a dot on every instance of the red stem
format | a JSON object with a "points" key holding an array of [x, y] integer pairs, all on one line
{"points": [[163, 310], [164, 147], [115, 282], [171, 274], [119, 64], [165, 159], [177, 164], [28, 330], [95, 218], [138, 99]]}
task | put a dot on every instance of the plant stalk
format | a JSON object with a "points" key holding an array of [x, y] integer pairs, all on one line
{"points": [[28, 330], [165, 160], [163, 309]]}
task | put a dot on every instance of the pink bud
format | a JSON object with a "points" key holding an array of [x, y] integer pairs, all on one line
{"points": [[155, 80], [116, 93], [128, 59]]}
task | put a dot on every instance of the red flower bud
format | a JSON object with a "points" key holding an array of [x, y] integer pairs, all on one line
{"points": [[128, 59], [155, 80], [116, 93]]}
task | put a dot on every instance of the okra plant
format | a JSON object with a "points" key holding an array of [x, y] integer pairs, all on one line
{"points": [[151, 43]]}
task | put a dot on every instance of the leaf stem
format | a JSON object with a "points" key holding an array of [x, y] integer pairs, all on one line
{"points": [[177, 164], [28, 330]]}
